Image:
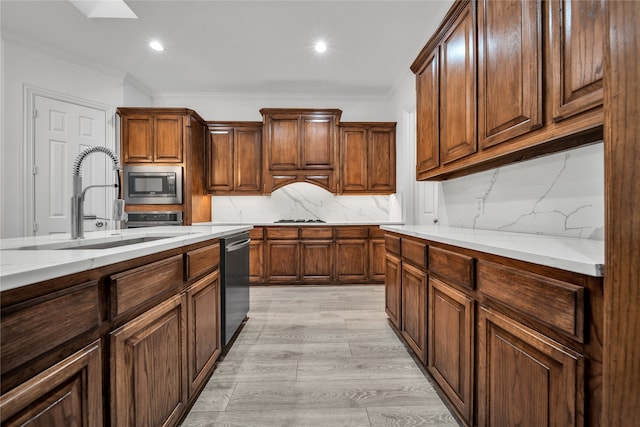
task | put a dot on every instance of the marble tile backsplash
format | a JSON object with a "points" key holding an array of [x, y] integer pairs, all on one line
{"points": [[559, 195], [306, 201]]}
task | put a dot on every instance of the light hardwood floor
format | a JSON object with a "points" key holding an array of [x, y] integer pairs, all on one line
{"points": [[318, 356]]}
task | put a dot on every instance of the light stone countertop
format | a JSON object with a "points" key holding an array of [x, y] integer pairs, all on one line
{"points": [[24, 267], [297, 224], [566, 253]]}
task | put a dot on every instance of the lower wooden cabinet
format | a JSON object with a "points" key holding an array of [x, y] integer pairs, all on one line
{"points": [[351, 259], [376, 259], [393, 289], [67, 394], [256, 261], [282, 260], [148, 367], [414, 309], [203, 335], [525, 378], [450, 344], [316, 256]]}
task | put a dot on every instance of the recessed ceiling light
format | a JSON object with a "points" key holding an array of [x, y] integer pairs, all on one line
{"points": [[321, 46], [156, 45]]}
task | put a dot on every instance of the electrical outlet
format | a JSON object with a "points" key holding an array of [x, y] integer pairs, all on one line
{"points": [[479, 205]]}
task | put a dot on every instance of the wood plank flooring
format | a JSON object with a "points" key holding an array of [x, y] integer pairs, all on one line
{"points": [[318, 356]]}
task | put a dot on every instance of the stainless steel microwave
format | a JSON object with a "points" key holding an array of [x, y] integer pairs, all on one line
{"points": [[153, 185]]}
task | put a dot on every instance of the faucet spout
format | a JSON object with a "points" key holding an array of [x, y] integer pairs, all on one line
{"points": [[77, 200]]}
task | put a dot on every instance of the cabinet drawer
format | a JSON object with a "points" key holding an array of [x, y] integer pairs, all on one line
{"points": [[282, 232], [553, 302], [202, 260], [256, 233], [376, 232], [415, 252], [32, 328], [451, 265], [392, 243], [316, 233], [352, 232], [132, 288]]}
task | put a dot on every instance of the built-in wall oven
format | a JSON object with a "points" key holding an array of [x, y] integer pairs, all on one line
{"points": [[153, 219], [153, 185]]}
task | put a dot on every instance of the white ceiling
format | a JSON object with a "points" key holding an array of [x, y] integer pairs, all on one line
{"points": [[238, 46]]}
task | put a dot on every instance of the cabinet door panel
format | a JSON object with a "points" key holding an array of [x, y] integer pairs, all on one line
{"points": [[353, 158], [525, 378], [414, 310], [67, 394], [450, 345], [509, 71], [382, 160], [283, 142], [247, 159], [220, 160], [148, 369], [256, 261], [578, 32], [428, 115], [393, 289], [317, 142], [458, 90], [376, 260], [283, 260], [137, 139], [351, 260], [167, 137], [316, 260]]}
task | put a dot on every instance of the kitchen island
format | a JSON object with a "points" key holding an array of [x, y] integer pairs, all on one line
{"points": [[121, 328]]}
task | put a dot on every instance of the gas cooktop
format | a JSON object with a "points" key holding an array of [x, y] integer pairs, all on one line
{"points": [[300, 220]]}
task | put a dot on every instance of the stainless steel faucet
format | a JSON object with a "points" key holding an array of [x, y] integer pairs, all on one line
{"points": [[77, 201]]}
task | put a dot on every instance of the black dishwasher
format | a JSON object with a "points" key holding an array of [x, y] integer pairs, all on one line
{"points": [[234, 295]]}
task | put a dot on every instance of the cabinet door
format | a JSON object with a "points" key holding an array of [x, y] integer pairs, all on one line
{"points": [[509, 69], [353, 159], [220, 160], [247, 160], [376, 259], [148, 369], [393, 289], [351, 260], [256, 261], [316, 257], [458, 90], [428, 115], [414, 309], [283, 260], [167, 138], [283, 135], [525, 378], [137, 140], [67, 394], [203, 317], [578, 33], [317, 142], [450, 344], [382, 160]]}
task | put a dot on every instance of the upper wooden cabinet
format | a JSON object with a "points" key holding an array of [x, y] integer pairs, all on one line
{"points": [[367, 158], [234, 158], [299, 146], [539, 84], [577, 55], [509, 59], [152, 138]]}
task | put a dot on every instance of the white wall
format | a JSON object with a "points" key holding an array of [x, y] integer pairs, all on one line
{"points": [[27, 66]]}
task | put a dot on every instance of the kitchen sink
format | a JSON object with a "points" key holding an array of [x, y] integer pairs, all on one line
{"points": [[96, 243]]}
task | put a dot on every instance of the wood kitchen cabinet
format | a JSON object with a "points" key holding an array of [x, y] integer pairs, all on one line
{"points": [[152, 138], [351, 256], [234, 158], [282, 254], [525, 378], [316, 252], [367, 158], [300, 146], [414, 309], [68, 393], [428, 114], [393, 289], [256, 255], [149, 366], [376, 254]]}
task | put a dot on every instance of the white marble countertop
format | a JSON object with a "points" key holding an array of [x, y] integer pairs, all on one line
{"points": [[20, 267], [298, 224], [578, 255]]}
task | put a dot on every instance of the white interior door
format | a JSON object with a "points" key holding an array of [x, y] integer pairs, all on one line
{"points": [[61, 131]]}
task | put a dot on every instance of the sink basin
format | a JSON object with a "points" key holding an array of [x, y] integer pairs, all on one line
{"points": [[96, 243]]}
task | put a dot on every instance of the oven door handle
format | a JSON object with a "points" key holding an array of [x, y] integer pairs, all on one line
{"points": [[237, 245]]}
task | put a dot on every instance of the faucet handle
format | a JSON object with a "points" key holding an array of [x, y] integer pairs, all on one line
{"points": [[118, 210]]}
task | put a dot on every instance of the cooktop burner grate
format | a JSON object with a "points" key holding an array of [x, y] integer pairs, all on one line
{"points": [[281, 221]]}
